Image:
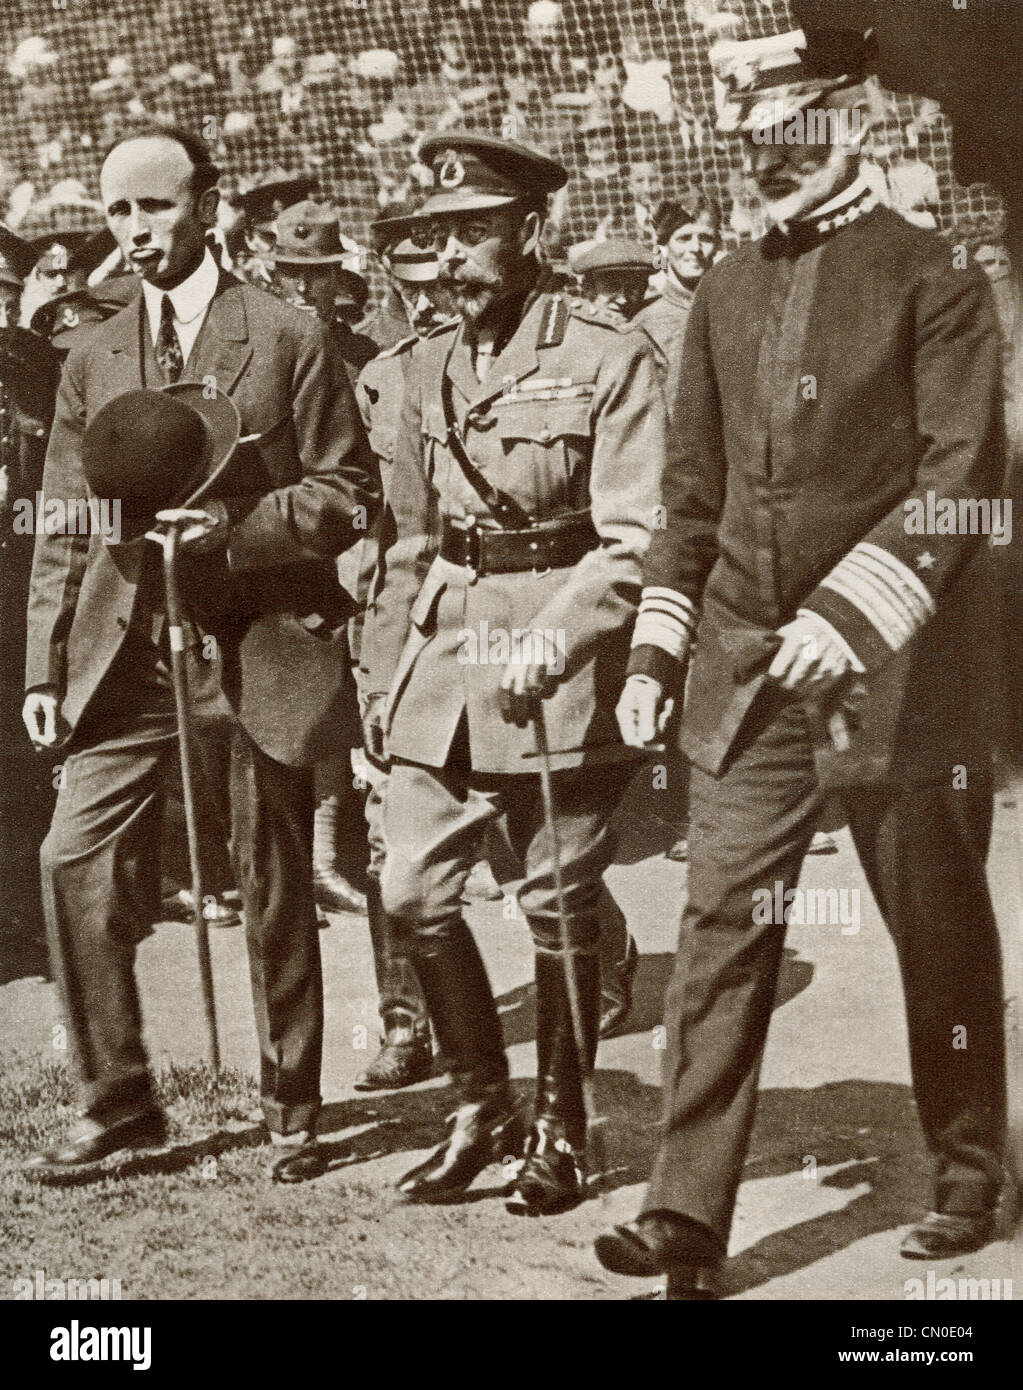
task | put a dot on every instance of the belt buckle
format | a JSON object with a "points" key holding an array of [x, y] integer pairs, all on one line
{"points": [[471, 561], [535, 547]]}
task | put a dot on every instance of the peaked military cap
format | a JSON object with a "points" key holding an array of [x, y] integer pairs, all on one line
{"points": [[266, 201], [473, 171], [68, 318], [763, 81]]}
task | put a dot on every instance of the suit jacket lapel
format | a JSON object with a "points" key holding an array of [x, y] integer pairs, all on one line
{"points": [[127, 368], [222, 349]]}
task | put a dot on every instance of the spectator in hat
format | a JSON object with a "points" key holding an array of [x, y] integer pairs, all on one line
{"points": [[314, 267], [615, 274], [251, 232], [402, 243], [62, 261]]}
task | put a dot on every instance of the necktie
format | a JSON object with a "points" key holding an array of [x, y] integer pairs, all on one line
{"points": [[168, 349]]}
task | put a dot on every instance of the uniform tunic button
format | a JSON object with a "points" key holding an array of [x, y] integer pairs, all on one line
{"points": [[40, 433]]}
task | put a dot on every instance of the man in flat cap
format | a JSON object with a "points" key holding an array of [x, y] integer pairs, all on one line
{"points": [[615, 274], [532, 437], [266, 648], [834, 375]]}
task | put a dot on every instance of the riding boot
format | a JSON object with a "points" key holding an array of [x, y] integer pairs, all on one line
{"points": [[486, 1125], [406, 1055], [332, 889], [551, 1177]]}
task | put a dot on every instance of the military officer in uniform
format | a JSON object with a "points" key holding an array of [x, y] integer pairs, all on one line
{"points": [[534, 433], [835, 375]]}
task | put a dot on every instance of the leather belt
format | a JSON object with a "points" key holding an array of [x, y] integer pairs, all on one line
{"points": [[550, 545]]}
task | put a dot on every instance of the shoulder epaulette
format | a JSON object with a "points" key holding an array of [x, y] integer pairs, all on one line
{"points": [[553, 322], [590, 313]]}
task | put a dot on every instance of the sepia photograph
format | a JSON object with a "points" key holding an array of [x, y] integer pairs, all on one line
{"points": [[511, 667]]}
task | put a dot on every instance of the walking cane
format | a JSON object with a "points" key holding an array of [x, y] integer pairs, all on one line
{"points": [[179, 676], [593, 1120]]}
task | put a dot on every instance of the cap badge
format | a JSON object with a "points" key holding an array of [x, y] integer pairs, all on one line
{"points": [[452, 171], [301, 231]]}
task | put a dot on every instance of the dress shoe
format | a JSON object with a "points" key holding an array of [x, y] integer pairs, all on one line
{"points": [[303, 1158], [405, 1058], [551, 1177], [90, 1141], [333, 891], [940, 1235], [483, 1132], [481, 885], [658, 1243], [616, 991]]}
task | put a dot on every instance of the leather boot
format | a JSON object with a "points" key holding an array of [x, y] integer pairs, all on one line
{"points": [[616, 979], [405, 1056], [486, 1125], [330, 887], [552, 1176]]}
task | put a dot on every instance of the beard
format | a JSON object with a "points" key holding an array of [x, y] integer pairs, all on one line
{"points": [[470, 296], [818, 187]]}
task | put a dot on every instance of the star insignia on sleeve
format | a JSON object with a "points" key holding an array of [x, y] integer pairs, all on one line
{"points": [[926, 561]]}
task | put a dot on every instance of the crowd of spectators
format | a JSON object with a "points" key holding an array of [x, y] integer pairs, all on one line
{"points": [[343, 91]]}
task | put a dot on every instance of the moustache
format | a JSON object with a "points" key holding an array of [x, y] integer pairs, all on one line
{"points": [[460, 281]]}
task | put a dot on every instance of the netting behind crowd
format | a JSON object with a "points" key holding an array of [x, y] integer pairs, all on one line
{"points": [[620, 90]]}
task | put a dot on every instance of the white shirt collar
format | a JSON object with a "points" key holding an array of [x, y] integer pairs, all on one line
{"points": [[189, 300], [848, 195]]}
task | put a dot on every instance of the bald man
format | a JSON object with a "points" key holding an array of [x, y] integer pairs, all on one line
{"points": [[98, 669]]}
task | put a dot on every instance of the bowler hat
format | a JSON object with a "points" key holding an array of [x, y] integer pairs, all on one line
{"points": [[472, 171], [154, 449]]}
